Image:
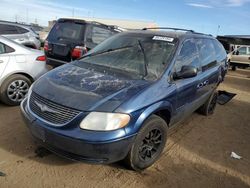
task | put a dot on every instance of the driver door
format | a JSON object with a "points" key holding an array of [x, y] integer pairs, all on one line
{"points": [[187, 93]]}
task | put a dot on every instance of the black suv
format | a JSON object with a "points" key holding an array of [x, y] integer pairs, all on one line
{"points": [[69, 39]]}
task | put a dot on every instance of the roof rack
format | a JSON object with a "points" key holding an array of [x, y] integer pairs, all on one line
{"points": [[177, 29], [109, 26], [170, 28]]}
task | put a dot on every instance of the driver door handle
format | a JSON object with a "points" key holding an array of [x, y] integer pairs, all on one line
{"points": [[1, 61]]}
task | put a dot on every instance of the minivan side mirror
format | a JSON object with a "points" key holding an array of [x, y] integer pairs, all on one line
{"points": [[187, 71]]}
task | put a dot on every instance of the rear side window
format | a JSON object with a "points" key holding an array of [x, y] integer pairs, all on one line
{"points": [[5, 49], [2, 48], [207, 53], [8, 29], [66, 31], [188, 55], [100, 34], [22, 30]]}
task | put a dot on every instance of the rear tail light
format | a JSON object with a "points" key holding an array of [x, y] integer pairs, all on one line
{"points": [[46, 46], [41, 58], [78, 51]]}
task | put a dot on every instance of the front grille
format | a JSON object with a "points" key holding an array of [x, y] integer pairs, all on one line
{"points": [[51, 112]]}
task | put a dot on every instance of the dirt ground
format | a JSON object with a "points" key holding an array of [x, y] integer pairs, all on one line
{"points": [[197, 152]]}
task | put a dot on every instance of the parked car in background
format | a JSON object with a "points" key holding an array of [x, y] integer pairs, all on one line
{"points": [[21, 34], [70, 38], [119, 100], [19, 67], [240, 57]]}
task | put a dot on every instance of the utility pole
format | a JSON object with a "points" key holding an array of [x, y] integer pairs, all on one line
{"points": [[218, 29], [27, 16]]}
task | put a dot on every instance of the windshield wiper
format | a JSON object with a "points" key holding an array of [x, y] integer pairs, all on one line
{"points": [[145, 59], [106, 51]]}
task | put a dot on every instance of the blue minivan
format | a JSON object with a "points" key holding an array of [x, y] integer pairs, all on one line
{"points": [[119, 100]]}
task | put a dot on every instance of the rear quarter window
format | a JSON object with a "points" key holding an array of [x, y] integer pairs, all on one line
{"points": [[22, 30], [100, 34], [5, 49], [220, 52]]}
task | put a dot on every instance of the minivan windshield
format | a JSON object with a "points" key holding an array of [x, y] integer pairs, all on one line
{"points": [[144, 56], [67, 30]]}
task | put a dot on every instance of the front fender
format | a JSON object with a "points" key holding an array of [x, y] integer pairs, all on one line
{"points": [[137, 124]]}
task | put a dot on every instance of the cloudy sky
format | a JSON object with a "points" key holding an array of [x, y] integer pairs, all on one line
{"points": [[233, 16]]}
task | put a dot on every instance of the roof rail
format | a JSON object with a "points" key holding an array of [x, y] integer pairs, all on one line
{"points": [[109, 26], [170, 28]]}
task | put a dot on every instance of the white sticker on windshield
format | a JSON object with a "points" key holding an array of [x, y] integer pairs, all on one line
{"points": [[168, 39]]}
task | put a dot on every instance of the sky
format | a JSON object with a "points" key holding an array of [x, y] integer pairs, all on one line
{"points": [[222, 17]]}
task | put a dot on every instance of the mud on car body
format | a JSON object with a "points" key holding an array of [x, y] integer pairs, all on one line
{"points": [[119, 100]]}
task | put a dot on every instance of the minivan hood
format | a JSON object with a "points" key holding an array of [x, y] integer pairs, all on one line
{"points": [[85, 89]]}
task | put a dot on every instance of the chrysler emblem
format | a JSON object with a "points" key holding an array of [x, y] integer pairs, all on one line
{"points": [[45, 108]]}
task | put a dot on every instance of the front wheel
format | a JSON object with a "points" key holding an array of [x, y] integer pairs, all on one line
{"points": [[14, 89], [148, 145]]}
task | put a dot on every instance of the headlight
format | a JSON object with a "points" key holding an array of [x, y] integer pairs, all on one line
{"points": [[101, 121]]}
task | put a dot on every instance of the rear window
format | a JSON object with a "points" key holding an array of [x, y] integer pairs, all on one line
{"points": [[66, 31]]}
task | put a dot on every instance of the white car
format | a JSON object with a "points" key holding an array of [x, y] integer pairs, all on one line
{"points": [[19, 67]]}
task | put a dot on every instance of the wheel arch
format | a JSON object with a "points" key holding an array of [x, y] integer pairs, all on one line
{"points": [[162, 109], [15, 73]]}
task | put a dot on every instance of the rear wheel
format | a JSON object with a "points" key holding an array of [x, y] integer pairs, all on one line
{"points": [[233, 68], [148, 145], [14, 89], [209, 107]]}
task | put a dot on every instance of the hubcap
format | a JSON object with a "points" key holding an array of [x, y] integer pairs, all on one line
{"points": [[17, 90], [150, 145]]}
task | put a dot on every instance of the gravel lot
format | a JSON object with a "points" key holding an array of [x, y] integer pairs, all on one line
{"points": [[197, 152]]}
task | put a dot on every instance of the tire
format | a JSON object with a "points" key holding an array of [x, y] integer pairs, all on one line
{"points": [[210, 105], [233, 68], [14, 89], [150, 140]]}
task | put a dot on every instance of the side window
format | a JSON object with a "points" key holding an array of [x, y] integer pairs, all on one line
{"points": [[22, 30], [8, 29], [248, 51], [220, 51], [187, 56], [207, 53], [100, 34], [2, 48], [242, 51]]}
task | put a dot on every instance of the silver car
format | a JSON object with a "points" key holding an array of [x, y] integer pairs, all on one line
{"points": [[19, 67], [20, 33]]}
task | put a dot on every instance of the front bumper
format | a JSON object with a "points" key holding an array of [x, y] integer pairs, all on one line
{"points": [[76, 148]]}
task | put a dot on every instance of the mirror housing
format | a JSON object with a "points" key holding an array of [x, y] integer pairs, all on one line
{"points": [[187, 71]]}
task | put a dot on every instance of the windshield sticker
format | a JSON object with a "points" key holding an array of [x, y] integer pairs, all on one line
{"points": [[168, 39]]}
